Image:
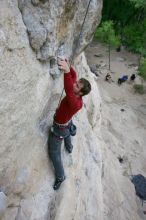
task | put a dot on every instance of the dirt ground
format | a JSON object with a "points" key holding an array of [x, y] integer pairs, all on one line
{"points": [[123, 125]]}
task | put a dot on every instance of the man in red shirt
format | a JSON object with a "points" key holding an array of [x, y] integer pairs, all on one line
{"points": [[63, 127]]}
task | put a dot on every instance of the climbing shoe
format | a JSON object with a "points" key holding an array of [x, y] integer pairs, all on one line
{"points": [[58, 182]]}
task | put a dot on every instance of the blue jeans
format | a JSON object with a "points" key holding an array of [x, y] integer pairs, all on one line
{"points": [[55, 139]]}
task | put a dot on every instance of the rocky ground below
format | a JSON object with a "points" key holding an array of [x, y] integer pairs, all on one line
{"points": [[123, 129]]}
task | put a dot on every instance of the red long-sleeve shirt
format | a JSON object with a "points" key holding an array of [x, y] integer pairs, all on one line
{"points": [[70, 103]]}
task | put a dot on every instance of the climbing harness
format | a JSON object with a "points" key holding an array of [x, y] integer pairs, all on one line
{"points": [[76, 45]]}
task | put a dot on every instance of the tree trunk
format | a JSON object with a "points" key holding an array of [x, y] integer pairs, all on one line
{"points": [[109, 56]]}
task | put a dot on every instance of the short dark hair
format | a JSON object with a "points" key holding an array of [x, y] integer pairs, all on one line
{"points": [[86, 86]]}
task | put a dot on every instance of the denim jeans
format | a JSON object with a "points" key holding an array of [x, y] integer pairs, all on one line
{"points": [[56, 136]]}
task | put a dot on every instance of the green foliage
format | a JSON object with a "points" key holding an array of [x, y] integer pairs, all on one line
{"points": [[139, 3], [119, 11], [139, 88], [106, 34], [129, 23], [142, 68], [135, 36]]}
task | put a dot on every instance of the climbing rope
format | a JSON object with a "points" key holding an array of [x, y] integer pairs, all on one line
{"points": [[76, 46]]}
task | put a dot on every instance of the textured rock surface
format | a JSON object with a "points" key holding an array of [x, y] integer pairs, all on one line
{"points": [[3, 204], [32, 35], [53, 26], [28, 98]]}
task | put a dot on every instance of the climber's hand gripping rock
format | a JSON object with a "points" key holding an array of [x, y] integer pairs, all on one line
{"points": [[63, 65]]}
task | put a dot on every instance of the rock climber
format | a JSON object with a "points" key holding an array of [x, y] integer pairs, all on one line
{"points": [[63, 126]]}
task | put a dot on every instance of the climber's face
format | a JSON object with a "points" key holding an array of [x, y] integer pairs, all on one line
{"points": [[77, 86]]}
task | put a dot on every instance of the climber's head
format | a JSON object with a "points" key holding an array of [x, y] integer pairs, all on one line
{"points": [[82, 87]]}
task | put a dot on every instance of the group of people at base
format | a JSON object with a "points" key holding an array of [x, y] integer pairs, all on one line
{"points": [[122, 79]]}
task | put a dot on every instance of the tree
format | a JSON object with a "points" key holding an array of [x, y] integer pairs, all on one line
{"points": [[129, 22], [139, 3], [142, 68], [106, 34]]}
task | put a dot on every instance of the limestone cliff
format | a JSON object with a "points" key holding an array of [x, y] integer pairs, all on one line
{"points": [[32, 34]]}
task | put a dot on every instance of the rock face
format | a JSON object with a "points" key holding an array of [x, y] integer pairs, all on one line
{"points": [[32, 35], [54, 26], [3, 203]]}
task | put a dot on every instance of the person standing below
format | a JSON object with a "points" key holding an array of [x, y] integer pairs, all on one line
{"points": [[108, 78], [122, 79], [132, 77], [63, 126]]}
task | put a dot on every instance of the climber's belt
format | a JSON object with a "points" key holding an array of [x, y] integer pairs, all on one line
{"points": [[61, 128], [56, 135], [62, 125]]}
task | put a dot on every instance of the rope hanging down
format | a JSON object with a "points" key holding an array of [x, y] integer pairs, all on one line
{"points": [[76, 46]]}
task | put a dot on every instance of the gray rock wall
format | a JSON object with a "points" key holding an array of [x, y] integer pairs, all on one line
{"points": [[32, 34], [54, 27]]}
